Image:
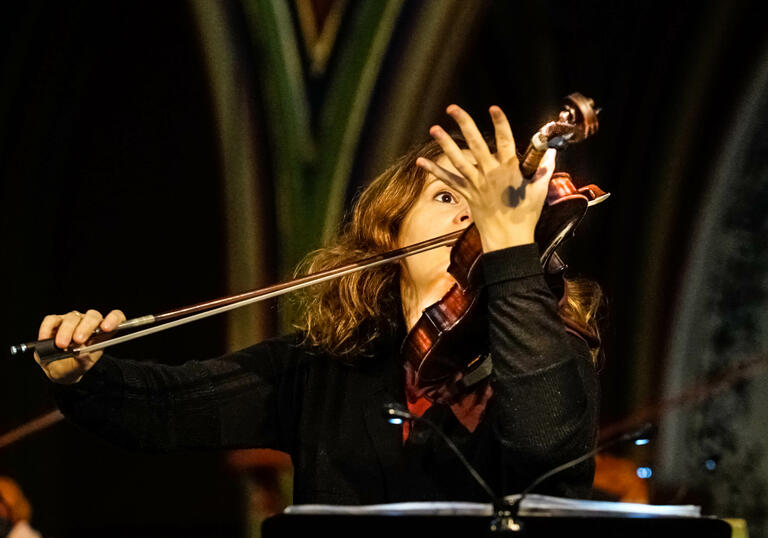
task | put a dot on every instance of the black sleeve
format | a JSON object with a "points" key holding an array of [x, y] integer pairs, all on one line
{"points": [[545, 389], [239, 400]]}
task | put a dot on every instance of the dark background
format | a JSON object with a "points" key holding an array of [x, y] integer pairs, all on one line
{"points": [[111, 198]]}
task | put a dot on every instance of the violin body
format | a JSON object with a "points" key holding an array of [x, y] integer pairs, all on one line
{"points": [[449, 332]]}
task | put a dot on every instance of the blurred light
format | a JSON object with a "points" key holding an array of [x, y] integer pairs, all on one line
{"points": [[710, 465], [644, 472], [641, 442], [395, 420]]}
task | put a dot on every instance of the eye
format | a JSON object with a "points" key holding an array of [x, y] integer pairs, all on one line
{"points": [[446, 197]]}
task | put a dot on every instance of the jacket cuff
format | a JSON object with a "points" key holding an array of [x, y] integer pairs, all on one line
{"points": [[103, 374], [510, 264]]}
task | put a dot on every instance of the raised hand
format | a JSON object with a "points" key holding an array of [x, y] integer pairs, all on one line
{"points": [[504, 205]]}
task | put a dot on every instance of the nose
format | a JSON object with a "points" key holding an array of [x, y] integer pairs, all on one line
{"points": [[463, 216]]}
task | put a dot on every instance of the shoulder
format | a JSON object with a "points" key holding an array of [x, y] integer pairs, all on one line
{"points": [[279, 352], [286, 344]]}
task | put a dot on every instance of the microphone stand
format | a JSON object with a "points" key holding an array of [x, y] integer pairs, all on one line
{"points": [[637, 433], [502, 521]]}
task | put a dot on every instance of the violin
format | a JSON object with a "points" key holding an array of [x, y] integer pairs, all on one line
{"points": [[450, 336], [564, 209]]}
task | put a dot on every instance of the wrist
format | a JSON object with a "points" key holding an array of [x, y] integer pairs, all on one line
{"points": [[505, 235]]}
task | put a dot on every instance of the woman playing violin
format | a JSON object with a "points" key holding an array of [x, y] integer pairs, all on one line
{"points": [[318, 394]]}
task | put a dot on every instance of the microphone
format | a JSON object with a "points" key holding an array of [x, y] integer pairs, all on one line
{"points": [[505, 514]]}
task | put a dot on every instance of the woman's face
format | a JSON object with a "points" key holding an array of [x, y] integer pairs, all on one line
{"points": [[438, 210]]}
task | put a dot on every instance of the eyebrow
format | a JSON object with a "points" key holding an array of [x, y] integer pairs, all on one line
{"points": [[431, 181]]}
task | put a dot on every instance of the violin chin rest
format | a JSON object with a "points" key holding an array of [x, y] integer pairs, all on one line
{"points": [[599, 200]]}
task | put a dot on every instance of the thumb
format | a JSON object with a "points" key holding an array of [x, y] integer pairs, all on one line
{"points": [[546, 166]]}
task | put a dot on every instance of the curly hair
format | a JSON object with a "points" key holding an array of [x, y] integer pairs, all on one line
{"points": [[344, 316]]}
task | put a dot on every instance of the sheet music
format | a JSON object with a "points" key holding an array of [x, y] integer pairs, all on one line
{"points": [[545, 505], [396, 509], [532, 505]]}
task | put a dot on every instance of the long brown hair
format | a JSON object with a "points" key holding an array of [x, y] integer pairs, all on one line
{"points": [[344, 316]]}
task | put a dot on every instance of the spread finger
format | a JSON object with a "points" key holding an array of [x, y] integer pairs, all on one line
{"points": [[546, 166], [454, 153], [451, 179], [505, 142], [474, 138]]}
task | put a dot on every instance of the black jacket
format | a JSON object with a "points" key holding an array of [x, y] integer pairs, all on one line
{"points": [[327, 414]]}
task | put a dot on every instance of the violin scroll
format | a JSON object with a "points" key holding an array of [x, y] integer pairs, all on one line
{"points": [[576, 122], [580, 112]]}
